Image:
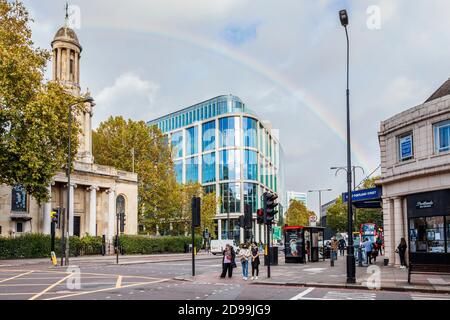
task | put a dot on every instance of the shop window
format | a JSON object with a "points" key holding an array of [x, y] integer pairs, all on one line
{"points": [[405, 147], [427, 234]]}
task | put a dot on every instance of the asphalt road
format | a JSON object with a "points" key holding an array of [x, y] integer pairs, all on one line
{"points": [[151, 280]]}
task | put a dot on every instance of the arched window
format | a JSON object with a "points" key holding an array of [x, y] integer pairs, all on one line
{"points": [[120, 211]]}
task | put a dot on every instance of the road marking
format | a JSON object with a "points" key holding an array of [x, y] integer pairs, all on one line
{"points": [[19, 275], [51, 287], [107, 289], [424, 297], [302, 294], [119, 282], [338, 295]]}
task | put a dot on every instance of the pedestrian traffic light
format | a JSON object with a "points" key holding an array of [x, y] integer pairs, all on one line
{"points": [[270, 207], [260, 216]]}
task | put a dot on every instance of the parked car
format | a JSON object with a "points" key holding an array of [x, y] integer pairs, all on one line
{"points": [[217, 246]]}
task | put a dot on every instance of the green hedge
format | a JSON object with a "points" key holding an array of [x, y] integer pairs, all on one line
{"points": [[149, 245], [38, 246]]}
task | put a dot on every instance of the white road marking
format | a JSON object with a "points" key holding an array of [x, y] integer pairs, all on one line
{"points": [[302, 294], [340, 295]]}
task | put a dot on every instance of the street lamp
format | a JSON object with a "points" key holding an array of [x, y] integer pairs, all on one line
{"points": [[320, 200], [343, 16], [353, 170], [65, 242]]}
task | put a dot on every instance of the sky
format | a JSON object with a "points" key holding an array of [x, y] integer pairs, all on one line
{"points": [[285, 59]]}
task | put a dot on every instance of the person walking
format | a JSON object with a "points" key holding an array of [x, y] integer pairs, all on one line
{"points": [[401, 250], [380, 246], [244, 255], [255, 261], [341, 247], [368, 249], [227, 261], [334, 248]]}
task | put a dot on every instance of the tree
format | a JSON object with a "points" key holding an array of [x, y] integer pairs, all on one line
{"points": [[208, 212], [337, 216], [33, 114], [297, 214], [114, 143]]}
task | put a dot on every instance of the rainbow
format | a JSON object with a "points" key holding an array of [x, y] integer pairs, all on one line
{"points": [[237, 56]]}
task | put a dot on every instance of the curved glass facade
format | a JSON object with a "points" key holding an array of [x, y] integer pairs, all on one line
{"points": [[221, 144]]}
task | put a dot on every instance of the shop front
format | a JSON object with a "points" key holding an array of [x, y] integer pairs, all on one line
{"points": [[429, 229]]}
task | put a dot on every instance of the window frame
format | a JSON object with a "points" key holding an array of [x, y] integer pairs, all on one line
{"points": [[436, 128]]}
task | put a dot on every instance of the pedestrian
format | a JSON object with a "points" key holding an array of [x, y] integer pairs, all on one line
{"points": [[341, 246], [255, 261], [334, 248], [308, 250], [227, 262], [261, 246], [380, 246], [368, 249], [244, 255], [401, 250]]}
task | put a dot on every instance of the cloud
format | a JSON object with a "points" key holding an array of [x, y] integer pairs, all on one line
{"points": [[129, 96]]}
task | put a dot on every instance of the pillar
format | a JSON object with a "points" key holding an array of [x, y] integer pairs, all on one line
{"points": [[67, 77], [111, 212], [398, 226], [71, 207], [47, 207], [58, 64], [388, 230], [241, 234], [257, 236], [93, 210], [219, 229]]}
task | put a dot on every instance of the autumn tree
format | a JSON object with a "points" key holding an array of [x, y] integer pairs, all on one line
{"points": [[33, 113], [133, 145], [297, 214]]}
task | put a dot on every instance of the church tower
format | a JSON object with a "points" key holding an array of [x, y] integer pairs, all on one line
{"points": [[66, 70]]}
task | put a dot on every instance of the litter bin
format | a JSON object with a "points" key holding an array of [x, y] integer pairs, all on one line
{"points": [[273, 257], [386, 261]]}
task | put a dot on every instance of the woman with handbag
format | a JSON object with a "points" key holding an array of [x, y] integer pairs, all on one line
{"points": [[227, 261], [244, 254], [255, 261], [401, 250]]}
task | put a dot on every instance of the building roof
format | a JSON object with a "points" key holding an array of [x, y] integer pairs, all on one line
{"points": [[443, 91], [67, 34]]}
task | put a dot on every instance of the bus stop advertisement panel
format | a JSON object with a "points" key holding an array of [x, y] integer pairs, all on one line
{"points": [[294, 245]]}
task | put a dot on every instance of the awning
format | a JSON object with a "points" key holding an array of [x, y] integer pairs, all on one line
{"points": [[20, 218]]}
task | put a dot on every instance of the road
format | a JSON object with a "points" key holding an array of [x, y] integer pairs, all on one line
{"points": [[139, 279]]}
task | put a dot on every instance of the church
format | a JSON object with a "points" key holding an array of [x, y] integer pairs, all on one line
{"points": [[102, 198]]}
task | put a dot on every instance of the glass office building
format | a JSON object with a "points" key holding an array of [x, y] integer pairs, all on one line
{"points": [[223, 145]]}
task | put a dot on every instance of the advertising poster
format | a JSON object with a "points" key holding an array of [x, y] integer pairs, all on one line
{"points": [[294, 243]]}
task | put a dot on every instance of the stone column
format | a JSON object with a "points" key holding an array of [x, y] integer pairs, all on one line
{"points": [[256, 232], [67, 78], [75, 68], [219, 229], [111, 212], [398, 226], [93, 210], [388, 231], [241, 234], [71, 207], [47, 207]]}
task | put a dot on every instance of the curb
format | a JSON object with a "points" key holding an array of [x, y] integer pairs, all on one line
{"points": [[350, 286], [158, 261]]}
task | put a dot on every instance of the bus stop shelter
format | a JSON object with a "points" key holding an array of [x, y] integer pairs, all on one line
{"points": [[303, 244]]}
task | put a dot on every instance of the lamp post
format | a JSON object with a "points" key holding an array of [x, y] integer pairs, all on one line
{"points": [[343, 16], [320, 199], [64, 240]]}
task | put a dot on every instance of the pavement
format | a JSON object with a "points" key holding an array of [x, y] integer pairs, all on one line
{"points": [[321, 274]]}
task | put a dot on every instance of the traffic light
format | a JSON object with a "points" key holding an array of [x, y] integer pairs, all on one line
{"points": [[260, 216], [241, 221], [270, 207], [54, 215], [196, 208], [122, 222]]}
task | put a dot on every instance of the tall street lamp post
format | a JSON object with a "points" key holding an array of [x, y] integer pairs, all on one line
{"points": [[65, 238], [351, 278], [320, 200]]}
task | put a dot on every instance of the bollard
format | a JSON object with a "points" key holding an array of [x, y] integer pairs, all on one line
{"points": [[332, 259]]}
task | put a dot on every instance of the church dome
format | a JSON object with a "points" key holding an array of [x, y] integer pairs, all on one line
{"points": [[67, 34]]}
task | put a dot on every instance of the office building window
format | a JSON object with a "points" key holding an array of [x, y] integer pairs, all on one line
{"points": [[209, 189], [18, 199], [250, 135], [230, 194], [405, 146], [209, 167], [191, 141], [192, 169], [250, 165], [442, 136], [177, 144], [230, 165], [179, 170], [261, 170], [229, 132], [250, 196], [209, 136]]}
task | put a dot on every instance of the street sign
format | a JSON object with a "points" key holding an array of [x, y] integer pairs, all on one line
{"points": [[363, 195], [312, 218], [276, 233]]}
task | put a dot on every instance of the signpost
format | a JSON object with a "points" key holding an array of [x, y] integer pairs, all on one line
{"points": [[312, 220]]}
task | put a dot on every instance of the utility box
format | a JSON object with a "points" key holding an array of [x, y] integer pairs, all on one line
{"points": [[273, 257]]}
